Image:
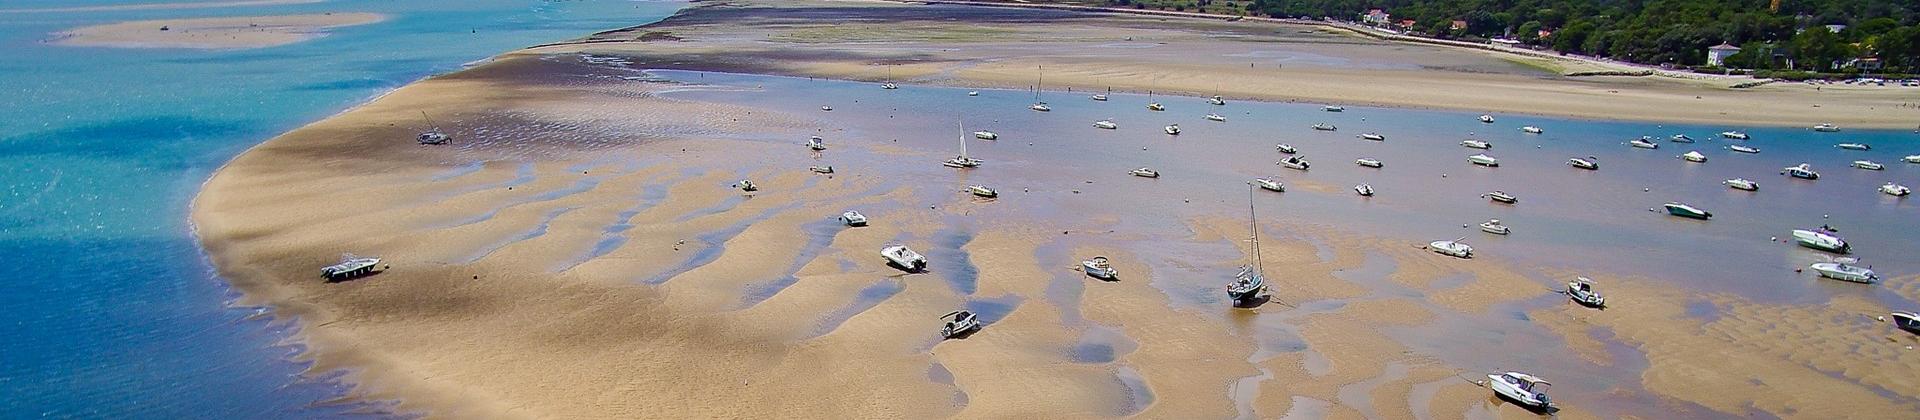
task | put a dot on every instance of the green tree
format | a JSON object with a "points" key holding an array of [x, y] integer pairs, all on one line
{"points": [[1816, 48]]}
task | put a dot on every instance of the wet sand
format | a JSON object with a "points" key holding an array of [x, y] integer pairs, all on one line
{"points": [[578, 251], [212, 33]]}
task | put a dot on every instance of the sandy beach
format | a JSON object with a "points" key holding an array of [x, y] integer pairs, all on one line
{"points": [[212, 33], [578, 250]]}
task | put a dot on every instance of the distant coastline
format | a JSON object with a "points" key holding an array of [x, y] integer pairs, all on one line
{"points": [[212, 33]]}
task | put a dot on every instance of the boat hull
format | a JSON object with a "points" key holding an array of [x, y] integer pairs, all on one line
{"points": [[1688, 212]]}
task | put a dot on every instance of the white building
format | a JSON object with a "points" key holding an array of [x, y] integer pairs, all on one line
{"points": [[1717, 55]]}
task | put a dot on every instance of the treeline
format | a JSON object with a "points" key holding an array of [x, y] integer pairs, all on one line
{"points": [[1797, 36]]}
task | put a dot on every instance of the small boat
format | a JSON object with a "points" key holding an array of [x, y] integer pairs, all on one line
{"points": [[1583, 163], [1895, 190], [826, 108], [1868, 165], [1216, 100], [1802, 171], [1581, 291], [986, 135], [1743, 149], [1486, 118], [1501, 196], [1099, 97], [816, 143], [1250, 284], [973, 93], [1296, 162], [1476, 144], [959, 323], [434, 136], [1907, 321], [962, 162], [1683, 210], [1911, 159], [1532, 130], [1145, 173], [350, 266], [1105, 124], [746, 185], [1843, 269], [1215, 117], [1156, 106], [1364, 190], [1483, 160], [1372, 136], [1643, 143], [1742, 184], [982, 191], [1694, 156], [889, 86], [1822, 240], [1040, 106], [1099, 269], [1451, 248], [1325, 127], [1270, 185], [1172, 129], [1286, 148], [1680, 138], [1826, 128], [853, 218], [1333, 108], [1854, 146], [1736, 135], [1368, 162], [904, 258], [821, 169], [1493, 226], [1522, 388]]}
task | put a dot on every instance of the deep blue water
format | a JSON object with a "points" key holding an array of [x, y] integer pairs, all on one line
{"points": [[112, 310]]}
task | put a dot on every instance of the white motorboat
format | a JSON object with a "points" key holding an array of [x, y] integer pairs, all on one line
{"points": [[1493, 226], [973, 93], [1486, 118], [1690, 212], [350, 266], [986, 135], [1802, 171], [1145, 173], [816, 143], [1215, 117], [1694, 156], [1372, 136], [904, 258], [828, 169], [1483, 160], [1502, 197], [1843, 269], [1583, 163], [1098, 97], [1040, 106], [1172, 129], [826, 108], [958, 323], [1643, 143], [1868, 165], [1822, 240], [1532, 130], [1364, 190], [1826, 128], [1743, 149], [1736, 135], [1216, 100], [889, 86], [1476, 144], [1522, 388], [1325, 127], [747, 185], [1251, 283], [1333, 108], [982, 191], [1581, 291], [1368, 162], [1270, 185], [853, 218], [1854, 146], [1156, 106], [1906, 321], [1286, 148], [1453, 248], [1099, 268], [1895, 190], [1296, 162], [1105, 124], [1911, 159], [1680, 138], [1742, 184]]}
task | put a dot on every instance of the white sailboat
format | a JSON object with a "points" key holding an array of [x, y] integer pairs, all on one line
{"points": [[963, 161], [1039, 105], [1154, 106], [1250, 284]]}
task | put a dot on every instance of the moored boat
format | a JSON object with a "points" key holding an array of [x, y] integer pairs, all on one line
{"points": [[1643, 143], [1286, 148], [1493, 226], [1172, 129], [1680, 138], [1215, 117], [1098, 97], [1216, 100], [1483, 160], [1099, 268], [1251, 283], [1486, 118], [1895, 190], [1822, 240], [986, 135], [1325, 127], [826, 108], [1583, 163], [1476, 144], [350, 266], [904, 258], [816, 143], [1145, 173], [1736, 135], [1743, 149], [982, 191], [826, 169], [1683, 210], [1105, 124], [1826, 128], [1270, 184], [747, 186], [1694, 156], [1854, 146], [1742, 184], [1843, 269], [1802, 171], [1502, 197], [1364, 190], [1911, 159], [1532, 130], [1522, 388], [1368, 162], [1296, 162], [1333, 108], [1868, 165], [1372, 136], [1040, 106], [889, 86], [1906, 321]]}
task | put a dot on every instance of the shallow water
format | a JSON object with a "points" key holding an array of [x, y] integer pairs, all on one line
{"points": [[105, 148]]}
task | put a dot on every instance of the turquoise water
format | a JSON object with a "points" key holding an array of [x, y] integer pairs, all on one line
{"points": [[112, 309]]}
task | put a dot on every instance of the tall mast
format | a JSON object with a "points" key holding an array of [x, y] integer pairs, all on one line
{"points": [[1254, 219], [963, 137], [1041, 82]]}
